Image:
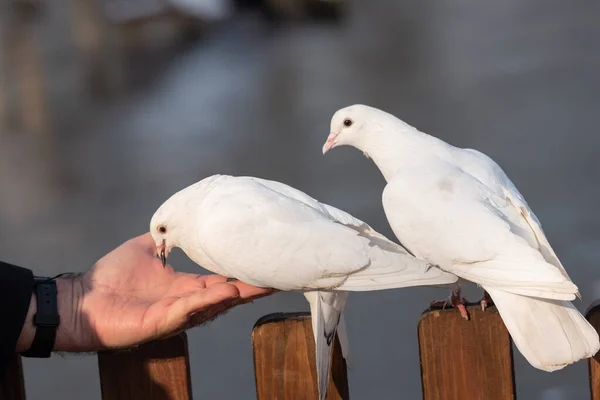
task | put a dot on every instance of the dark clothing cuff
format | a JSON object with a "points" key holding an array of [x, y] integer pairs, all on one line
{"points": [[16, 289]]}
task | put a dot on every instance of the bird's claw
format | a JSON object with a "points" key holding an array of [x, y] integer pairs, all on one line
{"points": [[439, 304], [486, 301], [459, 302], [456, 301]]}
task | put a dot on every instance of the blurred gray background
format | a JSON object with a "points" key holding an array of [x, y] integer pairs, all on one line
{"points": [[516, 80]]}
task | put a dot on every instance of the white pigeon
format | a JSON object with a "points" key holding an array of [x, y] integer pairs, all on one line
{"points": [[268, 234], [457, 209]]}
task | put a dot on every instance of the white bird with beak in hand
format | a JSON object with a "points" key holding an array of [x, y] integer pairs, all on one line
{"points": [[268, 234], [457, 209]]}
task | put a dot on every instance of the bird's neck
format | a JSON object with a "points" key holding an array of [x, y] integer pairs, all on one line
{"points": [[186, 222], [393, 151], [191, 246]]}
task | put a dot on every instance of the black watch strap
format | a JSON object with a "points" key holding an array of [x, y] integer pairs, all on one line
{"points": [[46, 318]]}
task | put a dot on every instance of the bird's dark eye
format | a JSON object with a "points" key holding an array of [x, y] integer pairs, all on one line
{"points": [[162, 229], [347, 122]]}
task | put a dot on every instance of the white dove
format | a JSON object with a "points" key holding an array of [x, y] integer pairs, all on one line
{"points": [[457, 209], [268, 234]]}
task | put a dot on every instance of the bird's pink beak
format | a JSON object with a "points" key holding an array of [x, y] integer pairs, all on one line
{"points": [[162, 252], [330, 142]]}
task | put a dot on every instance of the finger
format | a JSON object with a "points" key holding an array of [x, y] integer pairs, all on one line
{"points": [[146, 242], [249, 291], [246, 290], [211, 279], [190, 281], [207, 302], [208, 297], [211, 313]]}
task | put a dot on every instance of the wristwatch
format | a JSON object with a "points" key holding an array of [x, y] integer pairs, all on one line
{"points": [[46, 318]]}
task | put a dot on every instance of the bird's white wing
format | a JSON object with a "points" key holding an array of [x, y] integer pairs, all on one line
{"points": [[334, 213], [270, 238], [451, 219], [487, 171], [326, 309], [392, 265]]}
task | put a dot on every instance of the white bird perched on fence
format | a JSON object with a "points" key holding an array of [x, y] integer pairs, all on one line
{"points": [[457, 209], [268, 234]]}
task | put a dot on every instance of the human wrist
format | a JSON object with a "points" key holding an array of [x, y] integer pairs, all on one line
{"points": [[70, 335]]}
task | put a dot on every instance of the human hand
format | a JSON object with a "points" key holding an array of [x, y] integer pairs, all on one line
{"points": [[128, 298]]}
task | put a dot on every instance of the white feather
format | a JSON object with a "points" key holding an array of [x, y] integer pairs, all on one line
{"points": [[242, 227], [268, 234], [550, 334], [457, 209], [342, 334], [327, 309], [469, 231]]}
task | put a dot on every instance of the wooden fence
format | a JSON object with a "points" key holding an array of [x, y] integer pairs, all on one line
{"points": [[459, 360]]}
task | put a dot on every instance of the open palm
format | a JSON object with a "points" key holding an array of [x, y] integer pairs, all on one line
{"points": [[129, 298]]}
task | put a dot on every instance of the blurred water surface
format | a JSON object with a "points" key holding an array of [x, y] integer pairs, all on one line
{"points": [[516, 80]]}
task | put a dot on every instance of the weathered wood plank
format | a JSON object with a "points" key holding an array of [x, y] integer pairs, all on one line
{"points": [[593, 315], [463, 359], [12, 387], [284, 360], [158, 370]]}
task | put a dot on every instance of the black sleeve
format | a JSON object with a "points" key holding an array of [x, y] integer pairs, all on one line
{"points": [[16, 288]]}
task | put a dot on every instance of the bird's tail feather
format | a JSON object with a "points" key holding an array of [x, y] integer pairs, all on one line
{"points": [[326, 310], [550, 334], [343, 338]]}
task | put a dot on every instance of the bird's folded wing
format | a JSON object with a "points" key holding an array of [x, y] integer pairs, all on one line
{"points": [[485, 169], [476, 234], [271, 238], [390, 264]]}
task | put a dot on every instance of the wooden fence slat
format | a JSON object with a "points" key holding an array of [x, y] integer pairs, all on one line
{"points": [[463, 359], [12, 386], [593, 315], [157, 370], [284, 360]]}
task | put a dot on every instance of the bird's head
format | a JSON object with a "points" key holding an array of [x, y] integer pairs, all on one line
{"points": [[354, 126], [176, 216], [161, 229]]}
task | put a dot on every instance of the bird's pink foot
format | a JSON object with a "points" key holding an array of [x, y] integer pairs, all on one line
{"points": [[486, 301], [459, 302], [456, 301]]}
